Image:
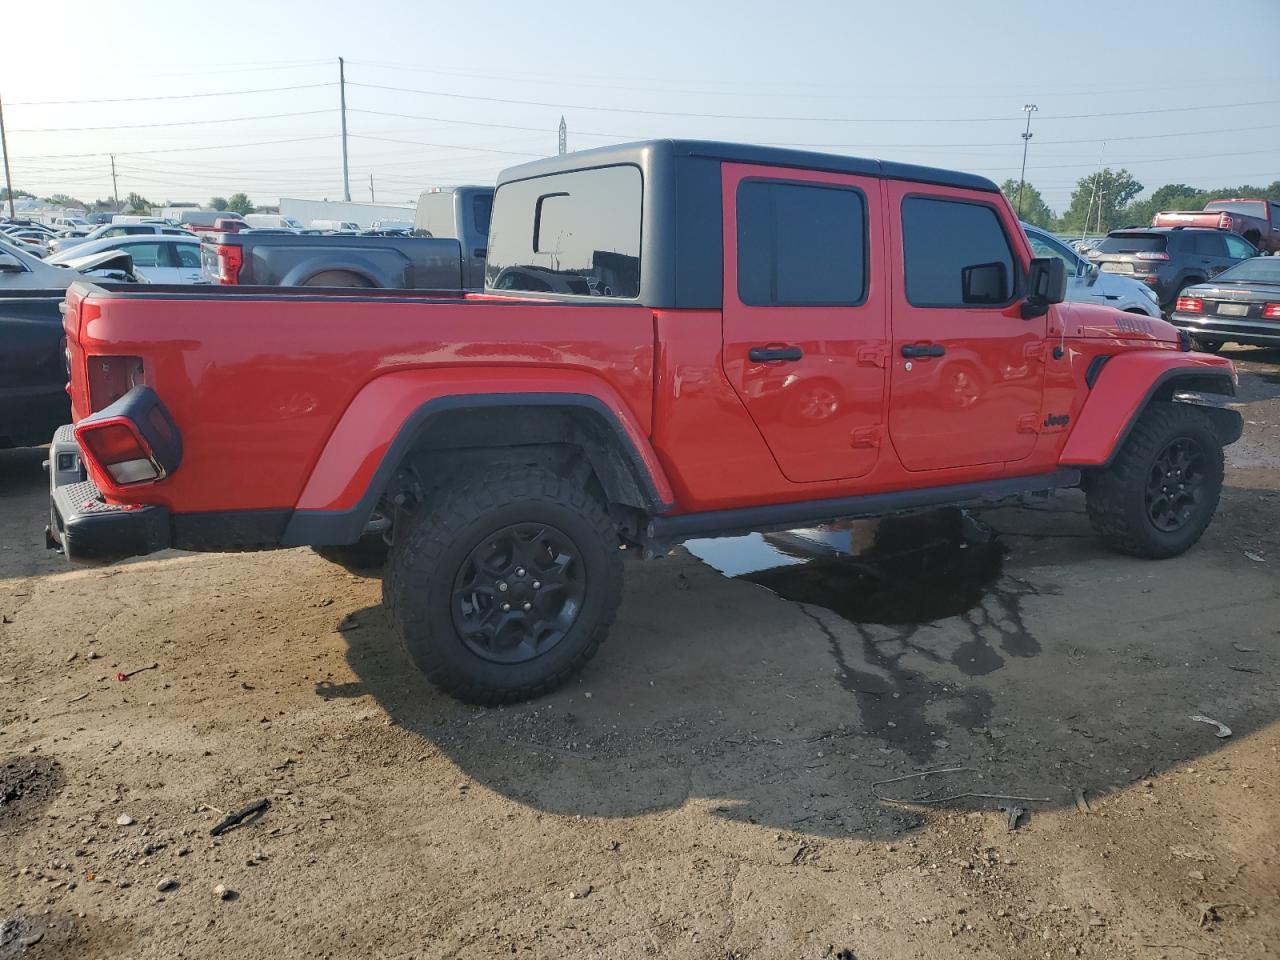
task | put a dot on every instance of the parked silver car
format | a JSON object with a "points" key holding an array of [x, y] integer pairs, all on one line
{"points": [[1087, 284]]}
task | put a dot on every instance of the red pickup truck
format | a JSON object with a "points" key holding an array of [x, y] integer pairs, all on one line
{"points": [[1258, 221], [676, 339]]}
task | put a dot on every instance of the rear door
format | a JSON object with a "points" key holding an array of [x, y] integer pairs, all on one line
{"points": [[186, 258], [805, 315], [966, 377], [1211, 252]]}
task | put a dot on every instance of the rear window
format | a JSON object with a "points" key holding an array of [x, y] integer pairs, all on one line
{"points": [[1248, 208], [1257, 270], [574, 233], [1133, 243]]}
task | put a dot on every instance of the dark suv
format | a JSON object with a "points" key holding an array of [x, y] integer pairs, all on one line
{"points": [[1169, 258]]}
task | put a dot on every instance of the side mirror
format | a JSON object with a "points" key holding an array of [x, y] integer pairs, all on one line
{"points": [[9, 264], [1046, 284], [984, 283]]}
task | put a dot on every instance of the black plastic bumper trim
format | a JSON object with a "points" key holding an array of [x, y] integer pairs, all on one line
{"points": [[98, 535]]}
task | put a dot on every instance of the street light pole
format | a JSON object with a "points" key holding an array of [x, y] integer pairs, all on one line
{"points": [[1028, 109], [4, 147]]}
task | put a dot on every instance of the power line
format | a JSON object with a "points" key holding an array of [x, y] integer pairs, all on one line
{"points": [[732, 116], [174, 96], [451, 146], [177, 123], [201, 148]]}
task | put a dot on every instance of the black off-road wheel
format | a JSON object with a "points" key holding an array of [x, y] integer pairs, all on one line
{"points": [[1161, 491], [1206, 346], [503, 585]]}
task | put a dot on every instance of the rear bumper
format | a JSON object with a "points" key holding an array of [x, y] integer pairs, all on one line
{"points": [[1258, 333], [87, 529]]}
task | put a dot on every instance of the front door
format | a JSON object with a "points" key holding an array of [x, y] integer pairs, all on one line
{"points": [[805, 315], [967, 371]]}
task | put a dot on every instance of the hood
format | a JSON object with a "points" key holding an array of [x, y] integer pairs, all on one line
{"points": [[1093, 321]]}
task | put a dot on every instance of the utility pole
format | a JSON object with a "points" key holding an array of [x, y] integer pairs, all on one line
{"points": [[115, 188], [342, 96], [372, 198], [1028, 109], [564, 137], [4, 148]]}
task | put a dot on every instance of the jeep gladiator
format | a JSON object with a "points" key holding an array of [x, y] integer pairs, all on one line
{"points": [[676, 339]]}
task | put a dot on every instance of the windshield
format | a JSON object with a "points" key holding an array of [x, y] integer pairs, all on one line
{"points": [[1248, 208], [1132, 243], [1257, 270]]}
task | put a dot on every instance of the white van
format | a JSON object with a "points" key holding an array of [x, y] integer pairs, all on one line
{"points": [[272, 221]]}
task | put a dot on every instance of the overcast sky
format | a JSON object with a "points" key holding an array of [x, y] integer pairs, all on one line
{"points": [[483, 86]]}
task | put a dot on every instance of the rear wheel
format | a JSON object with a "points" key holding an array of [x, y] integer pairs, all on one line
{"points": [[1161, 491], [337, 278], [504, 585]]}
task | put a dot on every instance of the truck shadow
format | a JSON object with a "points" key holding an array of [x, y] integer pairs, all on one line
{"points": [[769, 697]]}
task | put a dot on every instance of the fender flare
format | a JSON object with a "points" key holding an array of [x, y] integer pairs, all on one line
{"points": [[381, 425], [1126, 383]]}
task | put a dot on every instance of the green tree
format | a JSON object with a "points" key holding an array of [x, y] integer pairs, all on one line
{"points": [[1098, 201], [239, 203], [1034, 210], [63, 200], [17, 194], [217, 203], [137, 203]]}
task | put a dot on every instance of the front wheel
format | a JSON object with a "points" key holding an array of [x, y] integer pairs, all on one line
{"points": [[1159, 494], [504, 585], [1206, 346]]}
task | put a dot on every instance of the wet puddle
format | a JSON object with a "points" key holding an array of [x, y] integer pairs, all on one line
{"points": [[895, 570], [890, 580]]}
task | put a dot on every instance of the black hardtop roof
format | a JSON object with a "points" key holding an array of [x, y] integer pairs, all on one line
{"points": [[641, 150]]}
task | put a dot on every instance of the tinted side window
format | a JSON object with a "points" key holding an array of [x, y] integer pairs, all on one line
{"points": [[801, 244], [481, 207], [1237, 248], [1210, 245], [940, 238], [576, 233]]}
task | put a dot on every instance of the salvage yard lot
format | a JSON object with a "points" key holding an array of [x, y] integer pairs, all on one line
{"points": [[706, 789]]}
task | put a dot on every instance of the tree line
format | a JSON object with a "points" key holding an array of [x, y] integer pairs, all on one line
{"points": [[1107, 200], [133, 203]]}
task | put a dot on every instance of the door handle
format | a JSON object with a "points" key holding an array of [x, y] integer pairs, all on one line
{"points": [[767, 354], [480, 252], [923, 350]]}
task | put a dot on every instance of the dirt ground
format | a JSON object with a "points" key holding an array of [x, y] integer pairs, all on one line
{"points": [[709, 788]]}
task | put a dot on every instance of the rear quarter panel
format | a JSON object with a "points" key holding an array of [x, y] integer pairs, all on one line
{"points": [[258, 385]]}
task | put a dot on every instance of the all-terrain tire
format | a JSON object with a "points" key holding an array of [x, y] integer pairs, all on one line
{"points": [[434, 541], [1207, 346], [1117, 497]]}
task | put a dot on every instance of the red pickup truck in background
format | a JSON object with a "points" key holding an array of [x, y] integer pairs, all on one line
{"points": [[676, 339], [1258, 221]]}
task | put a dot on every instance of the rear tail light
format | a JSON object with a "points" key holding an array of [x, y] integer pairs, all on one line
{"points": [[1225, 221], [133, 441], [1151, 255], [228, 259], [118, 448], [110, 378], [1271, 311], [1189, 305]]}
